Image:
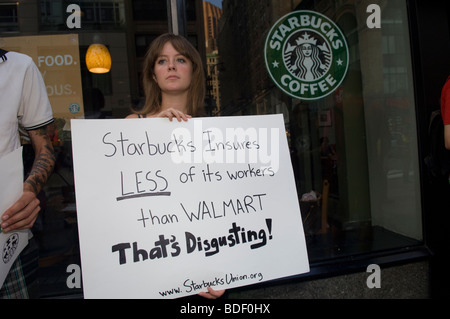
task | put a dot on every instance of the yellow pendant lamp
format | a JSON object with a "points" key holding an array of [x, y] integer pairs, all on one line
{"points": [[98, 59]]}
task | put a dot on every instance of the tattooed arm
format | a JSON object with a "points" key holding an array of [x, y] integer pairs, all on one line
{"points": [[24, 212]]}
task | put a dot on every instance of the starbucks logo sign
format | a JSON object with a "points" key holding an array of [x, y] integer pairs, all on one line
{"points": [[306, 55], [9, 248]]}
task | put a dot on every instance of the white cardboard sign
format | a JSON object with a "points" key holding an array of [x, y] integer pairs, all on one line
{"points": [[166, 209]]}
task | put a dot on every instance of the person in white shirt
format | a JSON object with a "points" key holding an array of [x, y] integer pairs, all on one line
{"points": [[24, 101]]}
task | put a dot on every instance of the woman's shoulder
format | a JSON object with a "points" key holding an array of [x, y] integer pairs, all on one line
{"points": [[133, 116]]}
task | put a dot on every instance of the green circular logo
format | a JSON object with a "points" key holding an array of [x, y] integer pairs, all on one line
{"points": [[74, 108], [306, 55]]}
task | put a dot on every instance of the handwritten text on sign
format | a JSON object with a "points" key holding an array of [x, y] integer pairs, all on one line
{"points": [[166, 209]]}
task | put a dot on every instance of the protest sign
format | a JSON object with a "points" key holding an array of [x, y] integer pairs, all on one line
{"points": [[166, 209]]}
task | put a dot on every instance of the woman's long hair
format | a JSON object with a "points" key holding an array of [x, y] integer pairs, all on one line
{"points": [[197, 89]]}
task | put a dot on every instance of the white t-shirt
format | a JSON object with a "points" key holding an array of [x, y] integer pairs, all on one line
{"points": [[23, 99]]}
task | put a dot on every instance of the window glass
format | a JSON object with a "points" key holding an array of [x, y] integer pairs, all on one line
{"points": [[354, 151], [8, 17], [149, 10]]}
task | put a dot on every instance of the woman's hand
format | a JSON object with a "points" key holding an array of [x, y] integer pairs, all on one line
{"points": [[171, 113], [211, 293]]}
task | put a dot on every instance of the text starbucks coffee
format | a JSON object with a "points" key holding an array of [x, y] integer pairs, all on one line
{"points": [[304, 21]]}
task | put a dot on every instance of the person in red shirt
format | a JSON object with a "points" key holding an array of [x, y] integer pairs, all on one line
{"points": [[445, 111]]}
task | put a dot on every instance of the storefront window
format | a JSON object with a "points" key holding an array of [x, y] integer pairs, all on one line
{"points": [[354, 151], [8, 17], [149, 10]]}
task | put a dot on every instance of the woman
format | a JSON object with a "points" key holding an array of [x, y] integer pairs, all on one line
{"points": [[308, 62], [173, 80], [174, 86]]}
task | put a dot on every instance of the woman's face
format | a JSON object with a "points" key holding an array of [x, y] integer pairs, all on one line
{"points": [[172, 71], [306, 48]]}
